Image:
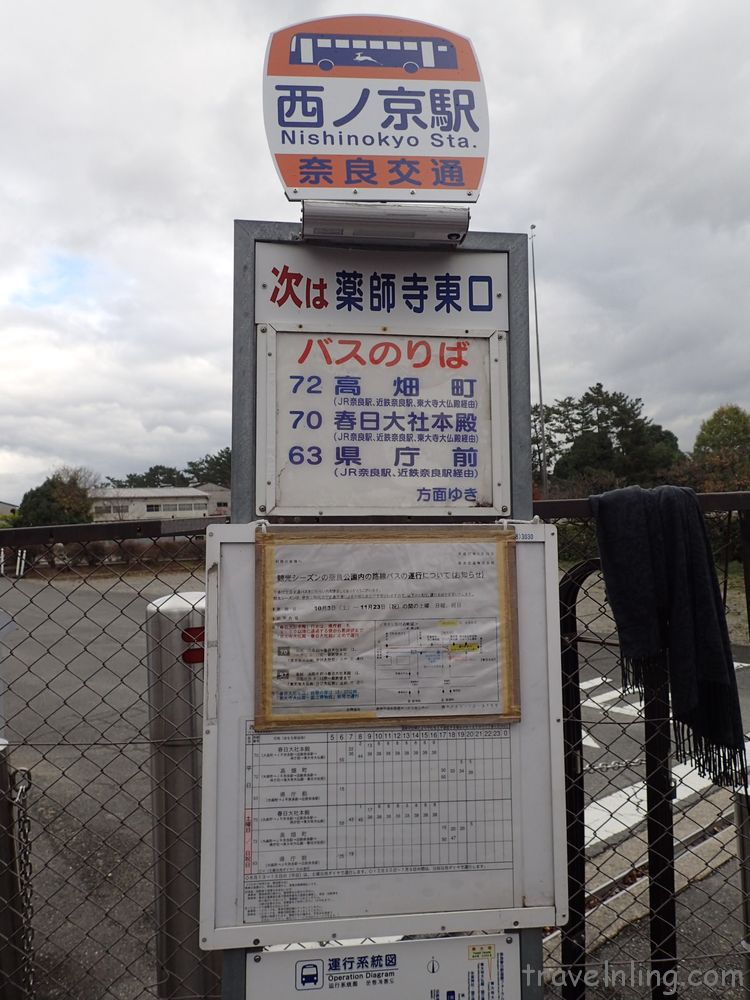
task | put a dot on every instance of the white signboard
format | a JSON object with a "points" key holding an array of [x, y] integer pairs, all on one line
{"points": [[388, 627], [319, 831], [375, 108], [426, 292], [376, 401], [462, 968]]}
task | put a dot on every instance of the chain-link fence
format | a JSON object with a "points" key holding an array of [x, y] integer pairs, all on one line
{"points": [[654, 882], [102, 763], [99, 809]]}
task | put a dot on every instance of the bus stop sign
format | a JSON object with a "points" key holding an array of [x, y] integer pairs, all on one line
{"points": [[364, 108]]}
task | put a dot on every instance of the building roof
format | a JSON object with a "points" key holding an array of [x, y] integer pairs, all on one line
{"points": [[151, 492], [212, 488]]}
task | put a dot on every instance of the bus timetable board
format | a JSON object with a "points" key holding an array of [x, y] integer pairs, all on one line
{"points": [[375, 108], [323, 832]]}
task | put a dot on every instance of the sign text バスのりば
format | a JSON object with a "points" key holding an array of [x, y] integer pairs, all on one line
{"points": [[389, 353], [364, 416]]}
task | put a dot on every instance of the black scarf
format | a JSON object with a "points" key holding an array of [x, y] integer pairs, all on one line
{"points": [[661, 582]]}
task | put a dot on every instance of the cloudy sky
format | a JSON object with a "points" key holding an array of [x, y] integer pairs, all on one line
{"points": [[132, 137]]}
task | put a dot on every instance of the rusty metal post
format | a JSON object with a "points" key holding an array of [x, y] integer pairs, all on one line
{"points": [[11, 902]]}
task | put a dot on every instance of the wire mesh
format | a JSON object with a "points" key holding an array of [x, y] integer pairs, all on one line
{"points": [[111, 794], [619, 895], [77, 716]]}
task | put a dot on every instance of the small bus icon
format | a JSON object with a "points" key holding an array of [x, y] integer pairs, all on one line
{"points": [[309, 975], [411, 54]]}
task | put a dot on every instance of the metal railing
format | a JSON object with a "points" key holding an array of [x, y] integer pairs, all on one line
{"points": [[110, 815], [653, 869]]}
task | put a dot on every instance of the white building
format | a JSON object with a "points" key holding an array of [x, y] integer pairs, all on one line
{"points": [[7, 508], [148, 503], [219, 499]]}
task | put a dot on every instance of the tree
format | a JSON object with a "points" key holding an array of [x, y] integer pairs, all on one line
{"points": [[153, 478], [63, 498], [602, 440], [590, 450], [646, 453], [212, 468], [726, 430], [215, 468], [720, 461]]}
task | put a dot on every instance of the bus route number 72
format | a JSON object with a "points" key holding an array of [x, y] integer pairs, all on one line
{"points": [[312, 387]]}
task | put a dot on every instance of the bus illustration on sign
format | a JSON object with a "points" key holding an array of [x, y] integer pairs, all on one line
{"points": [[309, 975], [412, 54], [375, 108]]}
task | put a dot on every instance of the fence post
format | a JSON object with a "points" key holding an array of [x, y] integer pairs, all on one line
{"points": [[174, 633], [660, 829], [745, 542], [11, 903], [742, 825], [573, 935]]}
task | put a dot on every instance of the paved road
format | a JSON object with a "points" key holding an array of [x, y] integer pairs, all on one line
{"points": [[708, 947]]}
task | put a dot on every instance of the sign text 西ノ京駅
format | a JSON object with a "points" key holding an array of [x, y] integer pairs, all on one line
{"points": [[365, 107]]}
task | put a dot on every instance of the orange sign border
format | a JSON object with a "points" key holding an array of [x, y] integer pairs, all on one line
{"points": [[289, 163]]}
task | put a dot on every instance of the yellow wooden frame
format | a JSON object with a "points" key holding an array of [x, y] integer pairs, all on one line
{"points": [[271, 537]]}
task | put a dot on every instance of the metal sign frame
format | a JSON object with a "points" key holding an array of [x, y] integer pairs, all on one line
{"points": [[245, 405], [475, 966], [269, 501], [538, 806]]}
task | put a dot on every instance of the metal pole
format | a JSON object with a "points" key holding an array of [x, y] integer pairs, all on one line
{"points": [[573, 934], [174, 627], [11, 902], [745, 542], [659, 825], [234, 973], [742, 825], [531, 953], [542, 422]]}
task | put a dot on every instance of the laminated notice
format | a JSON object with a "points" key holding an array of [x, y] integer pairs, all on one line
{"points": [[387, 625]]}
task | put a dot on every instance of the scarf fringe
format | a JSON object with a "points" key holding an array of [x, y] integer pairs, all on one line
{"points": [[726, 766], [634, 670]]}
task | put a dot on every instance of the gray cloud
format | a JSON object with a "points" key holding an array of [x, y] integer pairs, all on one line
{"points": [[133, 136]]}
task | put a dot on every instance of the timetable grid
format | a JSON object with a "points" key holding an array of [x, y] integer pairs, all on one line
{"points": [[361, 802]]}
